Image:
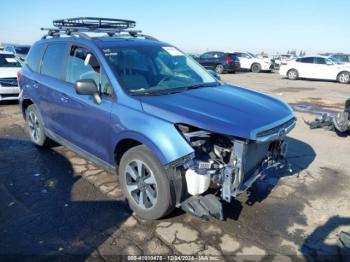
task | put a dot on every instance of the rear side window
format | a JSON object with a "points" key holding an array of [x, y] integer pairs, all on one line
{"points": [[320, 60], [308, 60], [34, 57], [54, 60]]}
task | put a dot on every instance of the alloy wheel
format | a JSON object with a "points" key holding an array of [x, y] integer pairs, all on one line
{"points": [[292, 74], [34, 127], [219, 69], [141, 184], [344, 78]]}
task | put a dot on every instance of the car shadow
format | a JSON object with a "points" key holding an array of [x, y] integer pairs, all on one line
{"points": [[46, 209], [315, 246], [300, 155]]}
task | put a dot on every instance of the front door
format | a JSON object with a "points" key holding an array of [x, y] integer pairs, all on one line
{"points": [[90, 122]]}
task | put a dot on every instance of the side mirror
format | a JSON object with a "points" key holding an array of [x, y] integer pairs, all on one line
{"points": [[214, 74], [329, 63], [88, 87]]}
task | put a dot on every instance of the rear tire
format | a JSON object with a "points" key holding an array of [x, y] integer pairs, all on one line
{"points": [[292, 74], [219, 69], [145, 183], [343, 77], [35, 127], [256, 68]]}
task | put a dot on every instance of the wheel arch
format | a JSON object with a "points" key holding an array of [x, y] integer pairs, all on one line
{"points": [[159, 148], [24, 105]]}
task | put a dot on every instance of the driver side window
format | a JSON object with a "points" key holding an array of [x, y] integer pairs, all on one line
{"points": [[82, 64]]}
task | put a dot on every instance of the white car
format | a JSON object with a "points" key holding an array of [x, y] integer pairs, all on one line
{"points": [[283, 58], [9, 66], [316, 67], [251, 62]]}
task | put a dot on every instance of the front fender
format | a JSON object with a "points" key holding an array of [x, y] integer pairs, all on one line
{"points": [[160, 136]]}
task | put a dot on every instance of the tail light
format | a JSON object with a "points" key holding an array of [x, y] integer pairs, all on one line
{"points": [[229, 60], [284, 63], [19, 75]]}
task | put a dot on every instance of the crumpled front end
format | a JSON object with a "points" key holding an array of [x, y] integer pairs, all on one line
{"points": [[229, 164]]}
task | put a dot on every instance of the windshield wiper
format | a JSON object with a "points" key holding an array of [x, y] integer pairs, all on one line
{"points": [[201, 85]]}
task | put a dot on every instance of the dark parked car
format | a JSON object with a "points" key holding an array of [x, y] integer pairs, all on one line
{"points": [[220, 62], [144, 110]]}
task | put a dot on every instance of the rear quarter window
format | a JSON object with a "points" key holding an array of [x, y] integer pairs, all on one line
{"points": [[307, 60], [34, 57], [54, 60]]}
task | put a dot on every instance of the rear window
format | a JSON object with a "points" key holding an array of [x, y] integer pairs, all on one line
{"points": [[54, 60], [309, 60], [7, 60], [34, 57]]}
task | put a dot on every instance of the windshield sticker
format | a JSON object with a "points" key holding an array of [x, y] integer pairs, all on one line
{"points": [[10, 60], [172, 51]]}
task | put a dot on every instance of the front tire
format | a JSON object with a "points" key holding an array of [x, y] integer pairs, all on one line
{"points": [[219, 69], [292, 74], [344, 77], [35, 127], [256, 68], [145, 183]]}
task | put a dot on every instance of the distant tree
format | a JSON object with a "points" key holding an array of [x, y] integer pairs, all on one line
{"points": [[288, 52], [302, 53], [293, 52]]}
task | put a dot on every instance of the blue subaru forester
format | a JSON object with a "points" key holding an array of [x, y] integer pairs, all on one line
{"points": [[143, 109]]}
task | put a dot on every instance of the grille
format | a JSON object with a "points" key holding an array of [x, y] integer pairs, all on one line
{"points": [[9, 82], [276, 128]]}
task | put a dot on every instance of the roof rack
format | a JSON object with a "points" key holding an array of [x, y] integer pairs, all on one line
{"points": [[81, 25], [94, 23]]}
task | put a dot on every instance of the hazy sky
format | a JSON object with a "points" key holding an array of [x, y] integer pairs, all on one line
{"points": [[199, 25]]}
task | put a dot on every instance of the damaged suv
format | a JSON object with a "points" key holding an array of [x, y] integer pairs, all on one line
{"points": [[142, 108]]}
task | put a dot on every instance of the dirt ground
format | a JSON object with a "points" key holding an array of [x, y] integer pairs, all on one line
{"points": [[55, 203]]}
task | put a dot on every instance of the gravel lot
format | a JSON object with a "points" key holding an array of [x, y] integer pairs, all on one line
{"points": [[53, 202]]}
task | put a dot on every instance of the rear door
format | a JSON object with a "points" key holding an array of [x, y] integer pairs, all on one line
{"points": [[306, 67], [88, 121], [206, 59], [53, 90]]}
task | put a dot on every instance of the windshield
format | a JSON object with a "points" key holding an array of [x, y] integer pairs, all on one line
{"points": [[144, 70], [22, 50], [252, 55], [8, 61]]}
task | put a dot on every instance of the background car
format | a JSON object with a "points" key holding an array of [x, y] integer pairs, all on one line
{"points": [[343, 58], [220, 62], [250, 62], [20, 51], [277, 60], [9, 67], [316, 67]]}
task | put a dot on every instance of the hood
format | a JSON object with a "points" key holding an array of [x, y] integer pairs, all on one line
{"points": [[6, 72], [224, 109]]}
